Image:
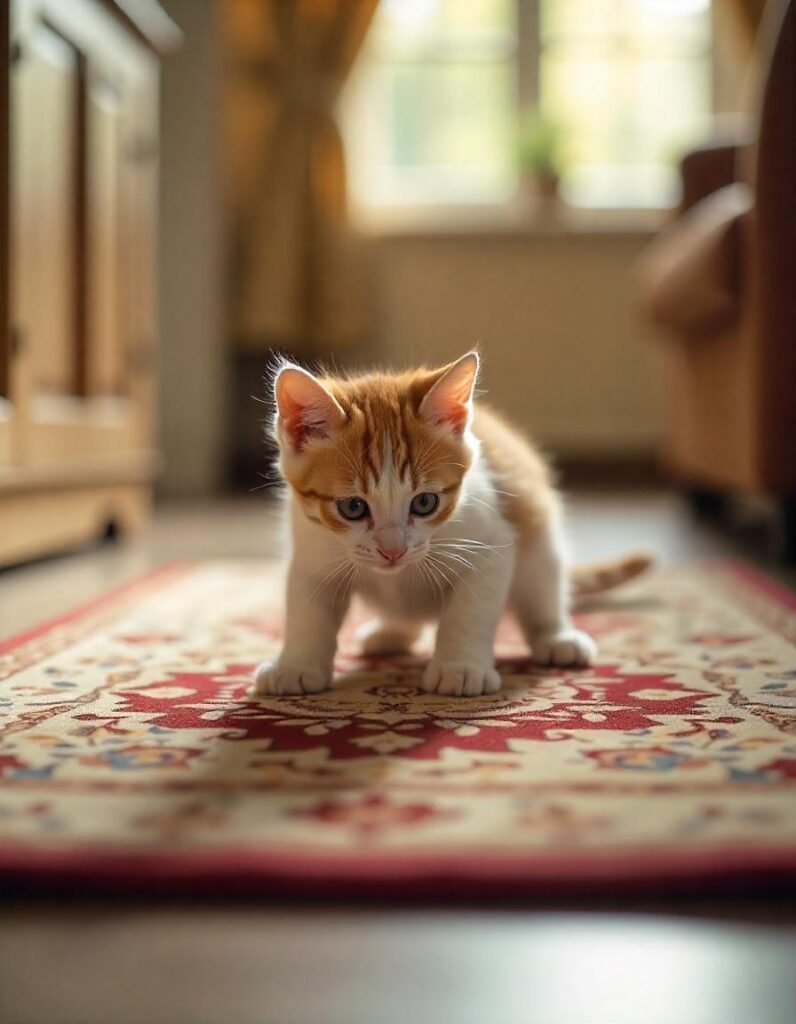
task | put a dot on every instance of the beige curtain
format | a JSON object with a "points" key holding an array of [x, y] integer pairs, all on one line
{"points": [[749, 13], [295, 271]]}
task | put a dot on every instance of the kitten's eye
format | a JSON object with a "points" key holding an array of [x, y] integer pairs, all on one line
{"points": [[353, 508], [424, 504]]}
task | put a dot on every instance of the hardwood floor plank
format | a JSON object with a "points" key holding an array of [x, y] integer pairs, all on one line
{"points": [[360, 967]]}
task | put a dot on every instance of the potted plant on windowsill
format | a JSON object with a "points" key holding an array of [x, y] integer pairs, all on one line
{"points": [[539, 156]]}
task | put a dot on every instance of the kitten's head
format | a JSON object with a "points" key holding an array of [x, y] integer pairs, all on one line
{"points": [[377, 460]]}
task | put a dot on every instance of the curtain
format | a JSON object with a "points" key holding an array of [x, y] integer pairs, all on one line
{"points": [[749, 13], [296, 272]]}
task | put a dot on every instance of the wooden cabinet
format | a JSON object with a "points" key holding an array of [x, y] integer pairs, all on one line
{"points": [[80, 144]]}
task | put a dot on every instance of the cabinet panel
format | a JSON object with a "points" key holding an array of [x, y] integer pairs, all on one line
{"points": [[46, 94], [106, 245]]}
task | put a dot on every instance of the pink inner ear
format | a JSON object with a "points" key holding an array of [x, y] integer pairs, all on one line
{"points": [[448, 402], [305, 407], [447, 412], [304, 427]]}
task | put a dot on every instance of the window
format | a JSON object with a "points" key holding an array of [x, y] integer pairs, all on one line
{"points": [[432, 108]]}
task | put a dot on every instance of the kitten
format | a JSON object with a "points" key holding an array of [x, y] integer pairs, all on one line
{"points": [[405, 491]]}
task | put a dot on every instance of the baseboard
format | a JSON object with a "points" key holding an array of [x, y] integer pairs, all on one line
{"points": [[632, 470]]}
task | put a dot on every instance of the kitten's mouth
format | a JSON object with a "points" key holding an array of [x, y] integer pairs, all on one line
{"points": [[392, 559], [389, 567]]}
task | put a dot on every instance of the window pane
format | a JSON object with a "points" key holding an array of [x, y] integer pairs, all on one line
{"points": [[681, 26], [417, 26], [629, 82], [434, 133], [429, 112]]}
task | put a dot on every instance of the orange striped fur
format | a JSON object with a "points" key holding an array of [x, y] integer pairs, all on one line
{"points": [[381, 421]]}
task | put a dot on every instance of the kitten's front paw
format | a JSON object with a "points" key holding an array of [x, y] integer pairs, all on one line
{"points": [[273, 677], [564, 649], [460, 679]]}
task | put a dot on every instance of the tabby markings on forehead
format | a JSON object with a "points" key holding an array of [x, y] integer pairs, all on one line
{"points": [[395, 435], [367, 440], [407, 466]]}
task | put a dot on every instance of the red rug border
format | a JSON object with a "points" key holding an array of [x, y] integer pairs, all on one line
{"points": [[778, 592], [86, 607], [474, 876]]}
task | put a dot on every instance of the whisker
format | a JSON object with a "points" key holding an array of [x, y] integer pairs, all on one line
{"points": [[472, 497], [266, 486], [471, 543], [431, 578], [344, 582], [441, 569], [428, 467], [458, 558], [461, 550], [329, 577], [457, 574], [350, 458]]}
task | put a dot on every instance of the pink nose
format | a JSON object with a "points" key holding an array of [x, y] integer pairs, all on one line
{"points": [[392, 554]]}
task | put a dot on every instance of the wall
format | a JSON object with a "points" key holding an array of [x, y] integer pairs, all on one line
{"points": [[191, 321], [554, 312]]}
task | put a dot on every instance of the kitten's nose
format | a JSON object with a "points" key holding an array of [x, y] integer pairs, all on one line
{"points": [[392, 554], [391, 542]]}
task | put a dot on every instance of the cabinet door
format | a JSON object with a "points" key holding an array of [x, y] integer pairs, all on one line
{"points": [[7, 424], [47, 86], [74, 94]]}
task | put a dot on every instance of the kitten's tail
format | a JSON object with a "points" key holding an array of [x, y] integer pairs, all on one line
{"points": [[594, 579]]}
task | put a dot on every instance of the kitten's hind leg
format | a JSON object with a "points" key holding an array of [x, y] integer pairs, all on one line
{"points": [[540, 599], [381, 637]]}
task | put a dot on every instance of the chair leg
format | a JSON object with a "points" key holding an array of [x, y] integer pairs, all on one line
{"points": [[706, 503], [787, 528]]}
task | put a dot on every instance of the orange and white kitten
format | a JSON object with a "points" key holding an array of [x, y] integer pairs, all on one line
{"points": [[432, 509]]}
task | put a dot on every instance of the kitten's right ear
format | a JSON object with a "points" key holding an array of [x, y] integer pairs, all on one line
{"points": [[449, 402], [304, 407]]}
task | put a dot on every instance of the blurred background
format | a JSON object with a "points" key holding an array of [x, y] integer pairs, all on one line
{"points": [[597, 192]]}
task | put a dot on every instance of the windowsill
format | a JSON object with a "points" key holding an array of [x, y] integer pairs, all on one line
{"points": [[507, 220]]}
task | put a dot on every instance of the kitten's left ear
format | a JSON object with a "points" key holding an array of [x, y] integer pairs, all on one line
{"points": [[305, 409], [450, 400]]}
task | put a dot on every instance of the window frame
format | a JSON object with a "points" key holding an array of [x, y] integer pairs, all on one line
{"points": [[503, 216]]}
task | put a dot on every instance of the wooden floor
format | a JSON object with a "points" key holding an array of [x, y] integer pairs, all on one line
{"points": [[80, 963]]}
